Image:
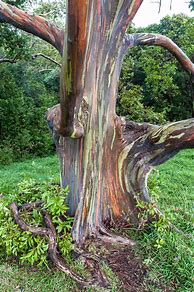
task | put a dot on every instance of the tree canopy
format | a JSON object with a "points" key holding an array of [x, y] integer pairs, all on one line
{"points": [[153, 86]]}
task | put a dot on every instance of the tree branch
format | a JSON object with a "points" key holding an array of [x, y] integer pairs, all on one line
{"points": [[152, 145], [49, 232], [147, 146], [151, 39], [34, 56], [170, 139], [44, 70], [34, 24], [158, 142], [8, 60]]}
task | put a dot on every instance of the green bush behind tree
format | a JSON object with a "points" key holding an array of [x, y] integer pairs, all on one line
{"points": [[24, 100], [27, 88]]}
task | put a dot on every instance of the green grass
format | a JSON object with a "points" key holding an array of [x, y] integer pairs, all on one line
{"points": [[40, 169], [174, 181], [16, 278], [167, 253]]}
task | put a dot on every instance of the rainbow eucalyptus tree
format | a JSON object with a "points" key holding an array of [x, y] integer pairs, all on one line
{"points": [[104, 159]]}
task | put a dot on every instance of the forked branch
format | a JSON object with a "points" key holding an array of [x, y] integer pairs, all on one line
{"points": [[34, 24], [151, 39]]}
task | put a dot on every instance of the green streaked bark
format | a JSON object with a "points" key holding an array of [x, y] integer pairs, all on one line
{"points": [[104, 159]]}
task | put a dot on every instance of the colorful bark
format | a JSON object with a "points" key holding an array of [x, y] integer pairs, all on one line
{"points": [[103, 181], [104, 160], [148, 146], [90, 77], [34, 24]]}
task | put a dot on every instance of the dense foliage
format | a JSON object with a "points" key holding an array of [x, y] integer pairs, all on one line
{"points": [[26, 246], [24, 100], [153, 86], [27, 88]]}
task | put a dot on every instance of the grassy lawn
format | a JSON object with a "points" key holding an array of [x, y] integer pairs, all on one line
{"points": [[41, 169], [166, 253], [170, 254]]}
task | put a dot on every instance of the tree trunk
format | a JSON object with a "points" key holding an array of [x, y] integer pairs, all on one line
{"points": [[92, 165], [91, 67], [104, 159], [107, 174], [107, 162]]}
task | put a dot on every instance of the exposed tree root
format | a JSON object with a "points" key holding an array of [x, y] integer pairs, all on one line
{"points": [[113, 256], [98, 277], [90, 260], [112, 238], [30, 206]]}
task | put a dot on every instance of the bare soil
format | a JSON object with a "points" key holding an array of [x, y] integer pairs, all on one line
{"points": [[128, 269], [132, 274]]}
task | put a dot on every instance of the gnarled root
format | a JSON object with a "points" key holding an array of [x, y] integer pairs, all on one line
{"points": [[98, 278], [112, 238]]}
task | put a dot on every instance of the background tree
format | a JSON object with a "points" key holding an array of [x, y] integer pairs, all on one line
{"points": [[104, 158], [165, 90], [24, 98], [191, 5], [33, 82]]}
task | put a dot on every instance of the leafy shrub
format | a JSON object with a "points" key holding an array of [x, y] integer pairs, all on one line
{"points": [[26, 246]]}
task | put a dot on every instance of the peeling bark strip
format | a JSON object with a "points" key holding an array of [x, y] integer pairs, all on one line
{"points": [[34, 24]]}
